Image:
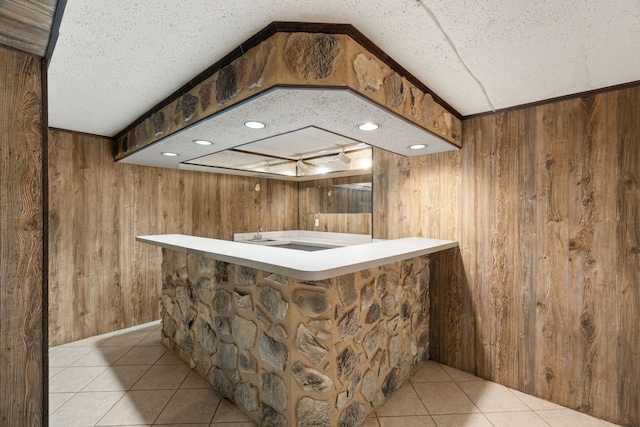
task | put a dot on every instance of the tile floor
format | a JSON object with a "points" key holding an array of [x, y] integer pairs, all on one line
{"points": [[128, 378]]}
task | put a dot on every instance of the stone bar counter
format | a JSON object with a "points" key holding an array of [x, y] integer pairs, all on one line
{"points": [[298, 338]]}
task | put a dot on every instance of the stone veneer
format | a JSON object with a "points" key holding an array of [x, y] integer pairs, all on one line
{"points": [[295, 59], [297, 353]]}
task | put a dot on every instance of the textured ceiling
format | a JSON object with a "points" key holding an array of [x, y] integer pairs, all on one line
{"points": [[115, 60]]}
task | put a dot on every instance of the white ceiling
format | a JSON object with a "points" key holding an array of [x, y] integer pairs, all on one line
{"points": [[114, 60]]}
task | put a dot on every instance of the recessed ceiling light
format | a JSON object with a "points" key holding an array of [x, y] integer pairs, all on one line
{"points": [[202, 142], [255, 125], [170, 154], [417, 146], [368, 126]]}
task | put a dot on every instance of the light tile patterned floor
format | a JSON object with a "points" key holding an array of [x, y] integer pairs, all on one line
{"points": [[128, 378]]}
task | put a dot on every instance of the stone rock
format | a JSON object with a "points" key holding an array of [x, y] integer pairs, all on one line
{"points": [[311, 303], [186, 106], [204, 314], [227, 356], [392, 281], [244, 276], [167, 304], [395, 350], [191, 293], [390, 383], [381, 284], [258, 64], [205, 289], [168, 326], [373, 315], [273, 353], [352, 416], [416, 97], [326, 336], [348, 326], [278, 279], [243, 302], [187, 345], [158, 121], [244, 331], [388, 305], [221, 302], [367, 295], [406, 311], [181, 332], [347, 396], [273, 391], [220, 382], [190, 318], [310, 379], [279, 332], [346, 363], [313, 413], [371, 342], [369, 74], [417, 318], [205, 95], [222, 272], [347, 289], [393, 324], [227, 84], [311, 56], [371, 390], [325, 325], [271, 299], [264, 320], [207, 338], [269, 417], [201, 359], [222, 326], [181, 299], [247, 395], [247, 362], [308, 345]]}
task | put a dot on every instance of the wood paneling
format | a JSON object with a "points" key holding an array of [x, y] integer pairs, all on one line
{"points": [[23, 352], [543, 294], [100, 278], [26, 24]]}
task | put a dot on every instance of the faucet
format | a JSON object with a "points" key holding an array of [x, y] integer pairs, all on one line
{"points": [[258, 235]]}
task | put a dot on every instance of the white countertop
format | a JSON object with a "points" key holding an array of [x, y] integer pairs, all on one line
{"points": [[302, 265]]}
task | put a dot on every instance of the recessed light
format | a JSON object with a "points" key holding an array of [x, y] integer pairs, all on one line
{"points": [[417, 146], [202, 142], [170, 154], [252, 124], [368, 126]]}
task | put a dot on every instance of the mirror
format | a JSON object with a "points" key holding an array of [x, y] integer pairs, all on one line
{"points": [[339, 205]]}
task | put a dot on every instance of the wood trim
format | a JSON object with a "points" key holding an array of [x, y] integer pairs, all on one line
{"points": [[55, 29], [45, 241], [556, 99], [290, 27]]}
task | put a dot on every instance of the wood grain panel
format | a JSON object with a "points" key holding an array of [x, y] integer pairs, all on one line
{"points": [[23, 354], [101, 279], [26, 24], [543, 294]]}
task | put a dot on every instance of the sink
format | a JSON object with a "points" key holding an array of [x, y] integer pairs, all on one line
{"points": [[303, 246]]}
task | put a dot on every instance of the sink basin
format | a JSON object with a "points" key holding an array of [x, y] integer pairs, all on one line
{"points": [[303, 246]]}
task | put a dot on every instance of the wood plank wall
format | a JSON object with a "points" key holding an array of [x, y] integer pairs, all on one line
{"points": [[26, 24], [100, 278], [23, 352], [543, 294]]}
